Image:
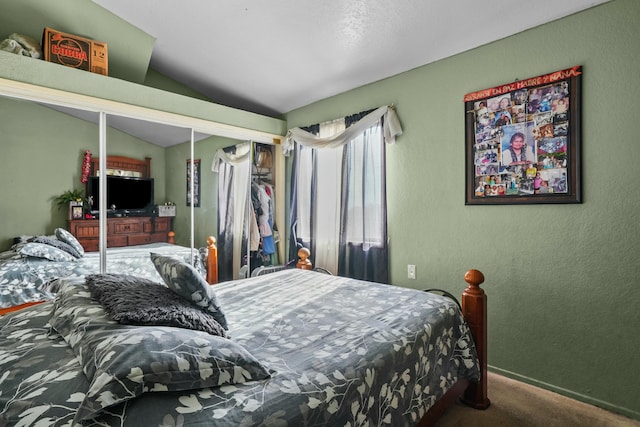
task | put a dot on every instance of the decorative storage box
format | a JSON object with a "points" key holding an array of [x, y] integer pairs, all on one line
{"points": [[74, 51], [164, 210]]}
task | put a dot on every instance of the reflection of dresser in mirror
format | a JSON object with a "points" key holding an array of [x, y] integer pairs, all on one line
{"points": [[123, 229]]}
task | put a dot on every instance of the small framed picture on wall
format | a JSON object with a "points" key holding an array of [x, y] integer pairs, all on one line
{"points": [[196, 183]]}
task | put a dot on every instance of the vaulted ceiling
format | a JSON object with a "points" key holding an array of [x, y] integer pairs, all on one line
{"points": [[271, 57]]}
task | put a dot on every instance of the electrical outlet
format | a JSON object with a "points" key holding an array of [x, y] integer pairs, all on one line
{"points": [[411, 271]]}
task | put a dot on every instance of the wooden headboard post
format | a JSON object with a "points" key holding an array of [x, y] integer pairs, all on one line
{"points": [[122, 163], [474, 310], [212, 261]]}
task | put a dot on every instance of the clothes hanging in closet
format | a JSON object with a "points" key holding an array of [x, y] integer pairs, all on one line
{"points": [[262, 224]]}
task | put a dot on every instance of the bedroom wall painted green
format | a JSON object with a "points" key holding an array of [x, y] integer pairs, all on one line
{"points": [[562, 280]]}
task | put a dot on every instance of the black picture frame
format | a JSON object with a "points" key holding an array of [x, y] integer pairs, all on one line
{"points": [[522, 141], [196, 182], [76, 210]]}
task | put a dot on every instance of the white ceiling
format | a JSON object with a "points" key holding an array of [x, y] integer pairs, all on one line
{"points": [[271, 57]]}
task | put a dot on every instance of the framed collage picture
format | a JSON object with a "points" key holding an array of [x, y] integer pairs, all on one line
{"points": [[522, 141]]}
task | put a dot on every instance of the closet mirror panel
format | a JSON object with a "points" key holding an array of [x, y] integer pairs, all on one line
{"points": [[49, 171], [136, 190]]}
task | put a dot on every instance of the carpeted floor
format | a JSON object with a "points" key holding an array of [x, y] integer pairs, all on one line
{"points": [[517, 404]]}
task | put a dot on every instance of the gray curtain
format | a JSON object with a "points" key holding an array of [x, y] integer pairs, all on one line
{"points": [[225, 222], [363, 249]]}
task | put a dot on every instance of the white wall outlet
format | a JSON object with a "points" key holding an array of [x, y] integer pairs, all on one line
{"points": [[411, 271]]}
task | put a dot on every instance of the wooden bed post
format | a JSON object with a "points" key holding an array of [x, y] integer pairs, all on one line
{"points": [[474, 309], [212, 261]]}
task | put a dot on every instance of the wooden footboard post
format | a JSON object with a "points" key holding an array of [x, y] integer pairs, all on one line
{"points": [[474, 309], [212, 261]]}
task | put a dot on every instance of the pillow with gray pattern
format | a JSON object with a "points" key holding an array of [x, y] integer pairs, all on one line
{"points": [[122, 362], [42, 250], [52, 241], [69, 238], [185, 280]]}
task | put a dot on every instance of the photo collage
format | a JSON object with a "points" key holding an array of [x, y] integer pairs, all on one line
{"points": [[520, 146]]}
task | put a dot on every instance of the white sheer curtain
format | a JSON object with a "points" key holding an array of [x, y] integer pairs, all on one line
{"points": [[327, 206], [237, 193], [366, 211]]}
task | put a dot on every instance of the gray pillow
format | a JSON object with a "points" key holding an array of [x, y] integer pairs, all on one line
{"points": [[133, 300], [51, 241], [69, 238], [124, 361], [42, 250], [185, 280]]}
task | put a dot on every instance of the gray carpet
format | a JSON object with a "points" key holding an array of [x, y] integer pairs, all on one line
{"points": [[517, 404]]}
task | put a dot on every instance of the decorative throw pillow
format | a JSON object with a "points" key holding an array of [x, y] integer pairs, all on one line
{"points": [[22, 239], [42, 250], [124, 361], [184, 280], [132, 300], [69, 238], [51, 241]]}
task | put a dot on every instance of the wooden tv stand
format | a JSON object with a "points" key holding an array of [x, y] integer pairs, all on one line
{"points": [[121, 231]]}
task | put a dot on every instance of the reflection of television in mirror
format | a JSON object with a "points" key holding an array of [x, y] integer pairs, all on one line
{"points": [[125, 195]]}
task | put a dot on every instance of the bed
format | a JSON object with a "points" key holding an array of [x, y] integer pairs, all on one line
{"points": [[302, 348]]}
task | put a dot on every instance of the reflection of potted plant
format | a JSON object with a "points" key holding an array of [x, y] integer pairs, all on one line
{"points": [[74, 200]]}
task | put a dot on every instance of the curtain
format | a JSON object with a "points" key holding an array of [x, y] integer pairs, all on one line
{"points": [[391, 129], [326, 212], [363, 249], [338, 199], [233, 167]]}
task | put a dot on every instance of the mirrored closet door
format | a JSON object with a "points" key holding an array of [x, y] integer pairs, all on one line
{"points": [[52, 151]]}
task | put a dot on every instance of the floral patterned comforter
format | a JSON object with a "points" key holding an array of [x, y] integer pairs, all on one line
{"points": [[339, 352], [29, 279]]}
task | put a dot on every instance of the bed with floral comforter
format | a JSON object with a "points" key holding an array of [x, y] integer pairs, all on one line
{"points": [[30, 269], [302, 348]]}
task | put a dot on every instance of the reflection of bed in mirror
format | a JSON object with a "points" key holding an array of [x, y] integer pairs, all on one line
{"points": [[30, 271]]}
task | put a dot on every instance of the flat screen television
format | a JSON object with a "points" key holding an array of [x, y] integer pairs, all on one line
{"points": [[125, 195]]}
